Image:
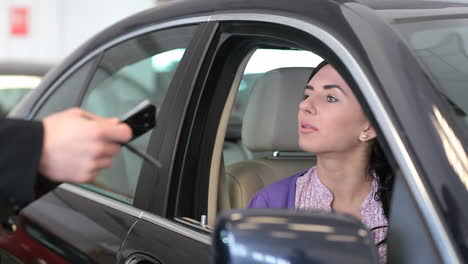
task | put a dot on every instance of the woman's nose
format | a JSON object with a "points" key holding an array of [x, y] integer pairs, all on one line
{"points": [[307, 106]]}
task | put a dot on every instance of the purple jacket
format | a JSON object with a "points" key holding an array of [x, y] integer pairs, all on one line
{"points": [[281, 194]]}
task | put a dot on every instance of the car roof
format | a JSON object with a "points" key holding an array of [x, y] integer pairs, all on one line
{"points": [[304, 8], [319, 9]]}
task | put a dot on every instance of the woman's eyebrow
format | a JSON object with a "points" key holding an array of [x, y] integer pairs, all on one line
{"points": [[330, 86], [309, 87]]}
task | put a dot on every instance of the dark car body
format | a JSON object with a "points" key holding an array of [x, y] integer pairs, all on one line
{"points": [[160, 218]]}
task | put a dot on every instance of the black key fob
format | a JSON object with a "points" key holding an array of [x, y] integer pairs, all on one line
{"points": [[141, 118]]}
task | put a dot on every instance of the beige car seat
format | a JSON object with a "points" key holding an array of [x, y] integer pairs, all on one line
{"points": [[270, 125]]}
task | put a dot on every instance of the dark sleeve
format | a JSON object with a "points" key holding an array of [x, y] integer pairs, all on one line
{"points": [[21, 147]]}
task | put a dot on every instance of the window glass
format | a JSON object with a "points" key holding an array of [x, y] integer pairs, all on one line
{"points": [[135, 70], [443, 47], [66, 94]]}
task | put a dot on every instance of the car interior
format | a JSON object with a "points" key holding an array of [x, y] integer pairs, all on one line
{"points": [[258, 145], [275, 136], [257, 139]]}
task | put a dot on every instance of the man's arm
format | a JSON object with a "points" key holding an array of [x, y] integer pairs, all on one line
{"points": [[20, 154], [69, 146]]}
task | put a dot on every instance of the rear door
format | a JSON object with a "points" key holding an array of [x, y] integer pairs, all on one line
{"points": [[157, 237], [87, 223]]}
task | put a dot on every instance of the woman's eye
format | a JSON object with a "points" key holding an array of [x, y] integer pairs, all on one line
{"points": [[331, 99], [305, 97]]}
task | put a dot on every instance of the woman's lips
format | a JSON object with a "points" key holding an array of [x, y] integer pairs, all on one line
{"points": [[307, 128]]}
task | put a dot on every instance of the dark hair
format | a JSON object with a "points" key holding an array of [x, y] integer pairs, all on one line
{"points": [[378, 164], [317, 68], [383, 171]]}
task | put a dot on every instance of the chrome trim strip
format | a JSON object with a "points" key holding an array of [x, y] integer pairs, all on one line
{"points": [[435, 223], [89, 56], [140, 214], [163, 222], [119, 206], [164, 25]]}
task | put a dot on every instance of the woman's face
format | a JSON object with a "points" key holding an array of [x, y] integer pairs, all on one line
{"points": [[330, 117]]}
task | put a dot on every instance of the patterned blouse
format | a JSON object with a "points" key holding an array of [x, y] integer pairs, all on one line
{"points": [[312, 194]]}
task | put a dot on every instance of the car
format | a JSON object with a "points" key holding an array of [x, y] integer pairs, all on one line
{"points": [[223, 132]]}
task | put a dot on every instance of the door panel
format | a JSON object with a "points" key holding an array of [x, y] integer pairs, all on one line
{"points": [[165, 242], [73, 228], [409, 239]]}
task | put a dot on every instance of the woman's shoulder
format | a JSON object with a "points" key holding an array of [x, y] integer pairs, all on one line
{"points": [[284, 183], [275, 194]]}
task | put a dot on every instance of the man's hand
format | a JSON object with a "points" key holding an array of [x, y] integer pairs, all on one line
{"points": [[78, 145]]}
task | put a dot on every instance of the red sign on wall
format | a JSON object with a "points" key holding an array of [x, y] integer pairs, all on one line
{"points": [[19, 21]]}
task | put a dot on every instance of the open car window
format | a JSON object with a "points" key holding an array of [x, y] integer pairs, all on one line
{"points": [[260, 63]]}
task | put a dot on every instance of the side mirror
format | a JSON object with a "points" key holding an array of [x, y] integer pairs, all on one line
{"points": [[287, 237]]}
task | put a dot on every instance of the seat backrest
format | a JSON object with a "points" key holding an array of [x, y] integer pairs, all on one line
{"points": [[270, 125]]}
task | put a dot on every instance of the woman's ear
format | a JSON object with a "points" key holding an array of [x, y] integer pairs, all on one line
{"points": [[368, 134]]}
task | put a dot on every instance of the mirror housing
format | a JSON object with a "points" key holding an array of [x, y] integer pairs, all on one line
{"points": [[289, 236]]}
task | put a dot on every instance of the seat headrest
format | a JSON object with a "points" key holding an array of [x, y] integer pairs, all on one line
{"points": [[270, 119]]}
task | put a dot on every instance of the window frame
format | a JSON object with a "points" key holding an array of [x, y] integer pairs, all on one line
{"points": [[155, 184], [146, 169], [249, 38], [142, 199], [61, 80]]}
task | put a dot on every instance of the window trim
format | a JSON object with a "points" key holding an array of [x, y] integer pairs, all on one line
{"points": [[36, 109], [137, 213], [77, 64]]}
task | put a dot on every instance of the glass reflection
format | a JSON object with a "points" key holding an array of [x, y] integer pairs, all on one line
{"points": [[247, 226], [453, 147], [267, 220], [362, 232], [236, 216], [311, 228], [285, 235], [341, 238]]}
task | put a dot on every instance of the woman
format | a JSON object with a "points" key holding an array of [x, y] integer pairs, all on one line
{"points": [[351, 175]]}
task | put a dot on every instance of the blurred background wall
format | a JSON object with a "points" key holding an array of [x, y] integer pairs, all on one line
{"points": [[37, 34], [41, 32]]}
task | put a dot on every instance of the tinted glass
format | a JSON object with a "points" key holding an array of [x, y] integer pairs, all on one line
{"points": [[65, 94], [135, 70], [442, 45]]}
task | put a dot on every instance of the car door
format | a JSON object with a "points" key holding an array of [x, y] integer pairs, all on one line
{"points": [[195, 187], [87, 223]]}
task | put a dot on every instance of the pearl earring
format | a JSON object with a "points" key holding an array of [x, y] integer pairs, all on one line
{"points": [[364, 135]]}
